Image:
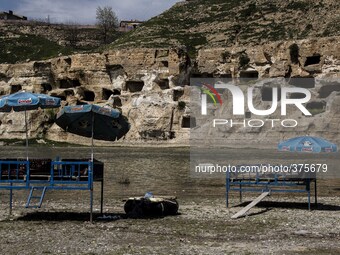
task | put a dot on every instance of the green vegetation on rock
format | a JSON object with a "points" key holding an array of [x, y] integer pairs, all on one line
{"points": [[224, 23], [32, 47]]}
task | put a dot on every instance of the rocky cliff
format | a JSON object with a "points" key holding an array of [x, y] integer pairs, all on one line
{"points": [[146, 84], [146, 74], [152, 86]]}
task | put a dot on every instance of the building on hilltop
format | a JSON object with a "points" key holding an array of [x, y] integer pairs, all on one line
{"points": [[128, 25], [11, 16]]}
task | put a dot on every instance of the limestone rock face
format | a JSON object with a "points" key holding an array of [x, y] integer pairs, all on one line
{"points": [[151, 88], [142, 83]]}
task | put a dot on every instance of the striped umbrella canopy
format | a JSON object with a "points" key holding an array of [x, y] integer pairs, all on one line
{"points": [[307, 144], [25, 101]]}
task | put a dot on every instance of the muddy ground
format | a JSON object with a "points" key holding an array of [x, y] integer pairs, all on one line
{"points": [[280, 224]]}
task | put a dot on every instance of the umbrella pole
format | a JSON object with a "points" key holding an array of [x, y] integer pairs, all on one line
{"points": [[91, 188], [92, 133], [26, 131]]}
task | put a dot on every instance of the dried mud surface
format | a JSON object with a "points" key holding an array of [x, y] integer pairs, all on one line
{"points": [[280, 224]]}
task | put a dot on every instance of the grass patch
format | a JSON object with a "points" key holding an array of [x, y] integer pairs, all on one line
{"points": [[32, 47]]}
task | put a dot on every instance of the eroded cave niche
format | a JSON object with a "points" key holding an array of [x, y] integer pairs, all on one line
{"points": [[267, 94], [134, 86], [177, 94], [202, 75], [188, 122], [69, 92], [106, 93], [297, 95], [68, 83], [326, 90], [249, 74], [223, 75], [114, 71], [163, 84], [15, 88], [316, 107], [313, 60], [164, 64], [307, 83], [45, 87], [62, 97], [89, 95], [117, 102]]}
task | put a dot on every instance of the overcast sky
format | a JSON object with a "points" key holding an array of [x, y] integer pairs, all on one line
{"points": [[84, 11]]}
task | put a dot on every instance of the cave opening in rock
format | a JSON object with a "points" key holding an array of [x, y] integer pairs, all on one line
{"points": [[106, 93], [89, 95], [163, 84], [297, 95], [117, 102], [223, 75], [68, 61], [45, 87], [188, 122], [116, 92], [316, 107], [114, 71], [15, 88], [250, 74], [68, 83], [306, 83], [202, 75], [134, 86], [313, 60], [69, 92], [178, 94], [326, 90], [63, 98], [267, 94], [164, 64]]}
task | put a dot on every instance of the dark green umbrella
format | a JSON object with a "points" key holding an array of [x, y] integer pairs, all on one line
{"points": [[102, 123]]}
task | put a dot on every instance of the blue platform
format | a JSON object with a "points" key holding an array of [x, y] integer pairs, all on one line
{"points": [[45, 174], [278, 182]]}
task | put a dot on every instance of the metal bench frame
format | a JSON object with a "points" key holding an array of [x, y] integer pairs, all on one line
{"points": [[64, 175], [275, 183]]}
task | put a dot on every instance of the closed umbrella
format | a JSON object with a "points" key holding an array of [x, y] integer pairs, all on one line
{"points": [[102, 123], [25, 101], [307, 144]]}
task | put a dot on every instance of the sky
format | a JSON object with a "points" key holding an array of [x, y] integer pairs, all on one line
{"points": [[84, 11]]}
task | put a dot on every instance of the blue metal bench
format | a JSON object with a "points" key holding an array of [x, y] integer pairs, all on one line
{"points": [[50, 175], [279, 182]]}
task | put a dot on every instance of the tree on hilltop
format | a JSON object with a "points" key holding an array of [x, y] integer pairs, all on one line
{"points": [[107, 22]]}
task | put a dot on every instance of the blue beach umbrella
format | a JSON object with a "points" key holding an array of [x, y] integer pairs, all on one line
{"points": [[25, 101], [307, 144], [102, 123]]}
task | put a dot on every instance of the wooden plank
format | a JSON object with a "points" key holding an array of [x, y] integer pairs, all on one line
{"points": [[251, 205]]}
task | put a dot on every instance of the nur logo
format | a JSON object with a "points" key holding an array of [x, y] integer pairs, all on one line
{"points": [[239, 99], [208, 90]]}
